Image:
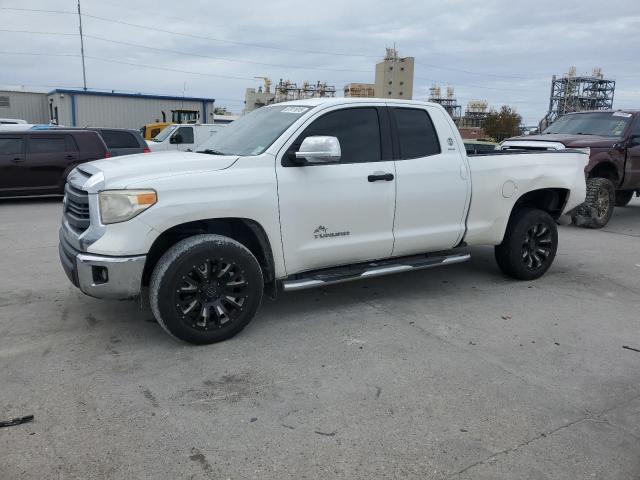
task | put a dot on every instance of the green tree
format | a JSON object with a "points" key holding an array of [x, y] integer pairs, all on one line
{"points": [[503, 124]]}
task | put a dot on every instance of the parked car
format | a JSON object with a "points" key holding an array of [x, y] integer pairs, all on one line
{"points": [[37, 162], [183, 137], [122, 142], [304, 194], [12, 121], [613, 172], [479, 147]]}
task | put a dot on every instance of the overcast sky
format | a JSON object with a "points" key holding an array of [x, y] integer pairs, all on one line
{"points": [[502, 51]]}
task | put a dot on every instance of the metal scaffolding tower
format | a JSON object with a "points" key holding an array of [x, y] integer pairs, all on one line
{"points": [[287, 90], [476, 114], [450, 102], [576, 93]]}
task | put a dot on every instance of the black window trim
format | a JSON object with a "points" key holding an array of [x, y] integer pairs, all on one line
{"points": [[396, 137], [386, 137]]}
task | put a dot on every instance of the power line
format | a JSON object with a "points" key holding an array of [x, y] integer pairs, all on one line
{"points": [[32, 32], [223, 40], [271, 47], [17, 9], [226, 59], [177, 52], [110, 60], [41, 54]]}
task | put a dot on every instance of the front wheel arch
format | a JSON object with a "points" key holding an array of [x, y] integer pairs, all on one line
{"points": [[246, 231]]}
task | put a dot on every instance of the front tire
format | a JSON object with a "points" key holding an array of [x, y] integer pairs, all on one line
{"points": [[623, 197], [529, 245], [206, 289]]}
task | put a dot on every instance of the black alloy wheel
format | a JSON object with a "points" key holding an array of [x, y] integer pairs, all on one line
{"points": [[211, 294], [536, 247], [530, 244]]}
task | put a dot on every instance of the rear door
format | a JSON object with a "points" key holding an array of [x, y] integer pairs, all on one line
{"points": [[12, 162], [48, 156], [433, 185], [121, 142]]}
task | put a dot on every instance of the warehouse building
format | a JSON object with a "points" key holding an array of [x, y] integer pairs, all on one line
{"points": [[80, 108], [29, 106]]}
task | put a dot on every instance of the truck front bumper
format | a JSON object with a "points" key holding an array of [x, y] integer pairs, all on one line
{"points": [[102, 276]]}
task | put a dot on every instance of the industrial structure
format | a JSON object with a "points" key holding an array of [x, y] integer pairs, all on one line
{"points": [[80, 108], [476, 114], [394, 76], [284, 91], [449, 101], [360, 90], [576, 93]]}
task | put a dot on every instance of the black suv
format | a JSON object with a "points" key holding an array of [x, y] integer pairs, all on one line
{"points": [[122, 142], [37, 162]]}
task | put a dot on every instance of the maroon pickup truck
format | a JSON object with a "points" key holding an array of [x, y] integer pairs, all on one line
{"points": [[613, 172]]}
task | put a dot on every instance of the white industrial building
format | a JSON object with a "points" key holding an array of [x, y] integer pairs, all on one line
{"points": [[80, 108], [29, 106]]}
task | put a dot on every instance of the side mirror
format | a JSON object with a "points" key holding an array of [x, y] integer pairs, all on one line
{"points": [[318, 150], [176, 139]]}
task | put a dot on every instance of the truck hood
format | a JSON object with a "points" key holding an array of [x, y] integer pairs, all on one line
{"points": [[569, 141], [120, 172]]}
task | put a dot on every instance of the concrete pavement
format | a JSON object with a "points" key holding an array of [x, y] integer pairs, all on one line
{"points": [[452, 373]]}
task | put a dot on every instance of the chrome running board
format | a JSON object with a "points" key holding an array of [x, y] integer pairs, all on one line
{"points": [[350, 273]]}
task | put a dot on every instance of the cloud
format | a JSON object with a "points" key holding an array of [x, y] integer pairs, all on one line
{"points": [[498, 50]]}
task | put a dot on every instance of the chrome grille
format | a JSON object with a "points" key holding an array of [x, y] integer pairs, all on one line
{"points": [[76, 210]]}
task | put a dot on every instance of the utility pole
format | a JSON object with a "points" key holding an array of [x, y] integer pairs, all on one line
{"points": [[84, 74]]}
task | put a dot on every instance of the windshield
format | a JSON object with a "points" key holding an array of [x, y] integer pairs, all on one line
{"points": [[255, 132], [164, 133], [606, 124]]}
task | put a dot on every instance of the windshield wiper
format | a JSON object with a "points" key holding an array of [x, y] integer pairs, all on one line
{"points": [[209, 151]]}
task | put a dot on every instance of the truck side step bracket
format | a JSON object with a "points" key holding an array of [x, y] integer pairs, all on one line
{"points": [[330, 276]]}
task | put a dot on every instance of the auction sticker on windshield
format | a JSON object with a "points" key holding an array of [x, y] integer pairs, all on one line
{"points": [[621, 114], [296, 110]]}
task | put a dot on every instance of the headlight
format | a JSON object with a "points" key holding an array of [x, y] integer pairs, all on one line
{"points": [[122, 205]]}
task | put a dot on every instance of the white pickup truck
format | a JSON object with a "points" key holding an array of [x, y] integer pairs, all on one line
{"points": [[304, 194]]}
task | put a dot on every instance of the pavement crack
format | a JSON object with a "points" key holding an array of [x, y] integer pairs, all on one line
{"points": [[596, 418], [507, 451]]}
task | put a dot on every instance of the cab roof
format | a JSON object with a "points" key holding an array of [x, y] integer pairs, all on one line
{"points": [[314, 102]]}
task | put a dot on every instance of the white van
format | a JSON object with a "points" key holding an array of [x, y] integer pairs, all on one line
{"points": [[183, 137]]}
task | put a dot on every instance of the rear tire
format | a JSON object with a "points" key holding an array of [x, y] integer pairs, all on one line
{"points": [[206, 289], [598, 207], [623, 197], [529, 245]]}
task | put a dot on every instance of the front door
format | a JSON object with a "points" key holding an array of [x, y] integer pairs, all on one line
{"points": [[183, 138], [12, 162], [338, 213], [433, 183]]}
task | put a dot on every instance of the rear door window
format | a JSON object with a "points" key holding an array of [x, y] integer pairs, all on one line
{"points": [[416, 133], [56, 144], [119, 139], [11, 146]]}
